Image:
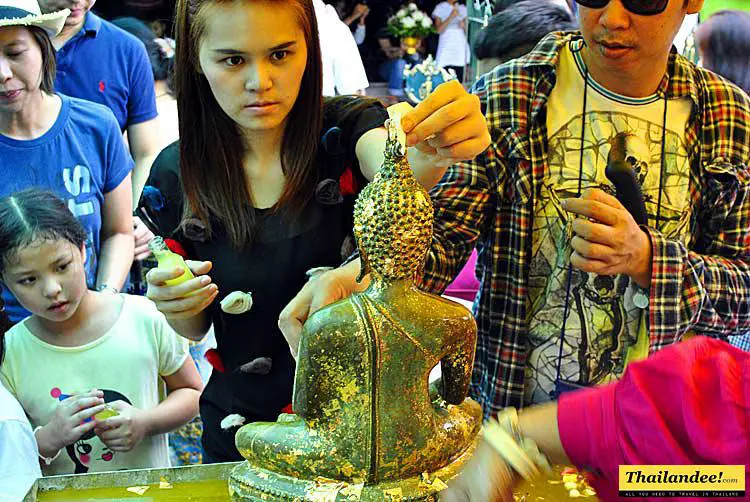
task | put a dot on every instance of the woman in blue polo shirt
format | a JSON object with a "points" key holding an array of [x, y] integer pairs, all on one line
{"points": [[66, 145]]}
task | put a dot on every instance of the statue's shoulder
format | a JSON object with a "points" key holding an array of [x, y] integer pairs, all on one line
{"points": [[448, 306], [333, 317]]}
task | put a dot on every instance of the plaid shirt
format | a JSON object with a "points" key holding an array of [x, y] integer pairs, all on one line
{"points": [[489, 203]]}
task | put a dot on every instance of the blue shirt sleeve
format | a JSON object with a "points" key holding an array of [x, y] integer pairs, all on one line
{"points": [[142, 97], [119, 162]]}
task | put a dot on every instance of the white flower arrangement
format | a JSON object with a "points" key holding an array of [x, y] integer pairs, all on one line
{"points": [[409, 21]]}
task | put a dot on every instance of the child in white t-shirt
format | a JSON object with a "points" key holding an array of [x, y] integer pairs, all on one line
{"points": [[19, 465], [81, 349]]}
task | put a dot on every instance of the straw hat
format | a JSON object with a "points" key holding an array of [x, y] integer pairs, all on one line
{"points": [[27, 13]]}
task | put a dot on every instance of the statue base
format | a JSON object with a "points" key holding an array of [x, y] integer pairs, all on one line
{"points": [[252, 483]]}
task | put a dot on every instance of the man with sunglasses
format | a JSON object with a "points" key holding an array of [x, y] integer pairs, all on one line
{"points": [[588, 129]]}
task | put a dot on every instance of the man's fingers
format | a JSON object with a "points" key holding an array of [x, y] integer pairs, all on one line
{"points": [[594, 232], [593, 209], [591, 250], [464, 151], [587, 265], [601, 196], [444, 93], [452, 113]]}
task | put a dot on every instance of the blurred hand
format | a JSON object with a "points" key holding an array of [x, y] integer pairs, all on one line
{"points": [[142, 236], [447, 126], [69, 422], [485, 478], [321, 290], [185, 300], [360, 10], [607, 240], [125, 431]]}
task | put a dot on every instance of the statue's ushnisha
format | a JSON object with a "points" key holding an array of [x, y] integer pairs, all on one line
{"points": [[366, 426]]}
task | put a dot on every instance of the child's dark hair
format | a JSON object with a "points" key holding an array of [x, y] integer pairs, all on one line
{"points": [[31, 215]]}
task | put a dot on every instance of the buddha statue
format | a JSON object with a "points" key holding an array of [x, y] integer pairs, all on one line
{"points": [[366, 425]]}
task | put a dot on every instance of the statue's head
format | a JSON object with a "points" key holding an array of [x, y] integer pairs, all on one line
{"points": [[393, 217]]}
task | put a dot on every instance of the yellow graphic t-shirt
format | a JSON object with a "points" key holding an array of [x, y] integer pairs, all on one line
{"points": [[592, 320], [126, 364]]}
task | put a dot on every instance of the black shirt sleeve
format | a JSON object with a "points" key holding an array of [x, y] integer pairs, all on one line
{"points": [[354, 115], [161, 204]]}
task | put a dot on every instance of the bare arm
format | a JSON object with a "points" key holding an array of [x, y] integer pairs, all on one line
{"points": [[540, 424], [144, 147], [181, 405], [116, 237], [440, 24]]}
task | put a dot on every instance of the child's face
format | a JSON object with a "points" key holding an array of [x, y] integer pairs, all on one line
{"points": [[48, 278]]}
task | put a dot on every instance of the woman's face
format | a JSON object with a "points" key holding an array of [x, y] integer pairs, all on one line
{"points": [[253, 55], [20, 68]]}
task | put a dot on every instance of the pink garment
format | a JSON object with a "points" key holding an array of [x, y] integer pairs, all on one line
{"points": [[466, 285], [687, 404]]}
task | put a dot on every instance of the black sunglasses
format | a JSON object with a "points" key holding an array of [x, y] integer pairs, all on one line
{"points": [[640, 7]]}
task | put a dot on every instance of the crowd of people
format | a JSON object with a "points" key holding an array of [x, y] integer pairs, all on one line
{"points": [[241, 133]]}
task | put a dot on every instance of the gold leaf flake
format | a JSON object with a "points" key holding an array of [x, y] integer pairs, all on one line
{"points": [[138, 490]]}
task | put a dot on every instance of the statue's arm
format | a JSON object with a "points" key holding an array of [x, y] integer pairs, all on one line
{"points": [[457, 365], [326, 337]]}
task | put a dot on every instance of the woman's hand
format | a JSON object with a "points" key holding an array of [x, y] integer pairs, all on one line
{"points": [[185, 300], [124, 431], [72, 419]]}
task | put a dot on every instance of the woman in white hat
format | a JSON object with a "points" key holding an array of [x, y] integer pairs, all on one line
{"points": [[70, 146]]}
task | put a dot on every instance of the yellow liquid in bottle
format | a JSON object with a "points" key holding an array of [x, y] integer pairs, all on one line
{"points": [[169, 260]]}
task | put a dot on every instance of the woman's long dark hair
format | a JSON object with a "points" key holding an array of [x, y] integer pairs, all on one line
{"points": [[212, 147], [724, 42]]}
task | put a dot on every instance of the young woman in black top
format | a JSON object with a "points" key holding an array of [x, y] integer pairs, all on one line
{"points": [[259, 188]]}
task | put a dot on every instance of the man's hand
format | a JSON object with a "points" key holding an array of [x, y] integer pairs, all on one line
{"points": [[320, 291], [607, 239], [485, 478], [448, 126], [125, 431]]}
